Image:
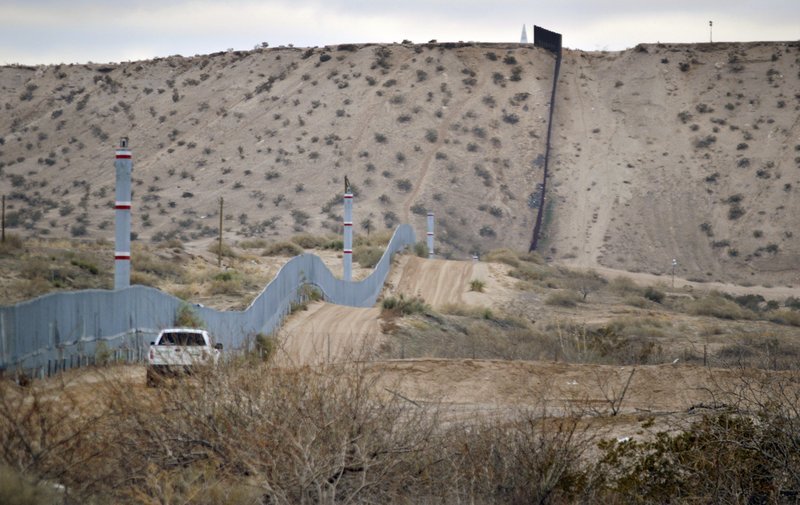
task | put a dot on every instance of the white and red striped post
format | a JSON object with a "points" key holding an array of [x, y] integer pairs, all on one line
{"points": [[122, 209], [348, 235], [430, 235]]}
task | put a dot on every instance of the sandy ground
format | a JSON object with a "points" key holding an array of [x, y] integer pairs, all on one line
{"points": [[326, 333]]}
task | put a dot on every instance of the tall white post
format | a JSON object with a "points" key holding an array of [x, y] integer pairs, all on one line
{"points": [[348, 236], [122, 223], [430, 235], [524, 37]]}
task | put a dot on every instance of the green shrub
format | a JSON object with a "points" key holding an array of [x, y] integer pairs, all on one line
{"points": [[716, 305], [308, 241], [421, 249], [265, 346], [186, 317], [282, 249], [227, 251], [476, 285], [367, 257], [405, 306], [228, 282]]}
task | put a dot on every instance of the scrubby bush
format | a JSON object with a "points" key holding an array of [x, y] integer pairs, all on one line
{"points": [[186, 317], [563, 299], [367, 257], [476, 285], [653, 294], [716, 305], [400, 305], [282, 249]]}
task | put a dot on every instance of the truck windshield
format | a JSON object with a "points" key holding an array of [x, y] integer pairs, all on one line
{"points": [[182, 338]]}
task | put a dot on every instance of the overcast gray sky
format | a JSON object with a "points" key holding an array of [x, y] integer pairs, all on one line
{"points": [[53, 31]]}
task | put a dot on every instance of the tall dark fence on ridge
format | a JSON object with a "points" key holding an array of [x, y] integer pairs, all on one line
{"points": [[552, 42]]}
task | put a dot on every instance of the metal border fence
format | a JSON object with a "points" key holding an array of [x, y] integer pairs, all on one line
{"points": [[63, 330]]}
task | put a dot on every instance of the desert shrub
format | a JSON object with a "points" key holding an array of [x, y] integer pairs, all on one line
{"points": [[265, 346], [227, 251], [282, 249], [421, 249], [716, 305], [367, 257], [400, 305], [487, 232], [506, 256], [563, 299], [228, 282], [792, 303], [787, 317], [379, 239], [186, 317], [253, 244], [530, 272], [653, 294], [12, 243], [476, 285], [750, 301], [735, 211], [309, 241]]}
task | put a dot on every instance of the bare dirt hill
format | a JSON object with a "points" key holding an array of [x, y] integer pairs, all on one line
{"points": [[680, 151]]}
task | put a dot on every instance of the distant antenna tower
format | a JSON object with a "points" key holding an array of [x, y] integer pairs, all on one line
{"points": [[710, 28], [524, 37]]}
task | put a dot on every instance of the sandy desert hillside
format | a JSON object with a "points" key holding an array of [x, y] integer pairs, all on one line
{"points": [[448, 128], [680, 151], [659, 152]]}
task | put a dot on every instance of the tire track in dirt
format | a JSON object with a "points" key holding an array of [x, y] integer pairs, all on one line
{"points": [[452, 113], [327, 332], [438, 282]]}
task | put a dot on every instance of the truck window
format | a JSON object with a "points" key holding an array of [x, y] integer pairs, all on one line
{"points": [[182, 338]]}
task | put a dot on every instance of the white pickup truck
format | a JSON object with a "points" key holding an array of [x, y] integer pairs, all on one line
{"points": [[179, 350]]}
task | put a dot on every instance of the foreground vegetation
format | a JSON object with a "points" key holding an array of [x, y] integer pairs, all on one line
{"points": [[251, 433]]}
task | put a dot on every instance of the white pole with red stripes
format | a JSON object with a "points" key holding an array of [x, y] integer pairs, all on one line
{"points": [[122, 209], [348, 235], [430, 235]]}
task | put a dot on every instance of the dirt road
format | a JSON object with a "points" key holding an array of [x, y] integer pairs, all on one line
{"points": [[438, 282], [327, 332]]}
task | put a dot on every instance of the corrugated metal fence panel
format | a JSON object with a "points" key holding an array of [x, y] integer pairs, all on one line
{"points": [[49, 327]]}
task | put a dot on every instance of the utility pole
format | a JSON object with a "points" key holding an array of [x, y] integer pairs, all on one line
{"points": [[219, 248]]}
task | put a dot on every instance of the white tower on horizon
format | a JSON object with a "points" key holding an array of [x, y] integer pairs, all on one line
{"points": [[524, 38]]}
